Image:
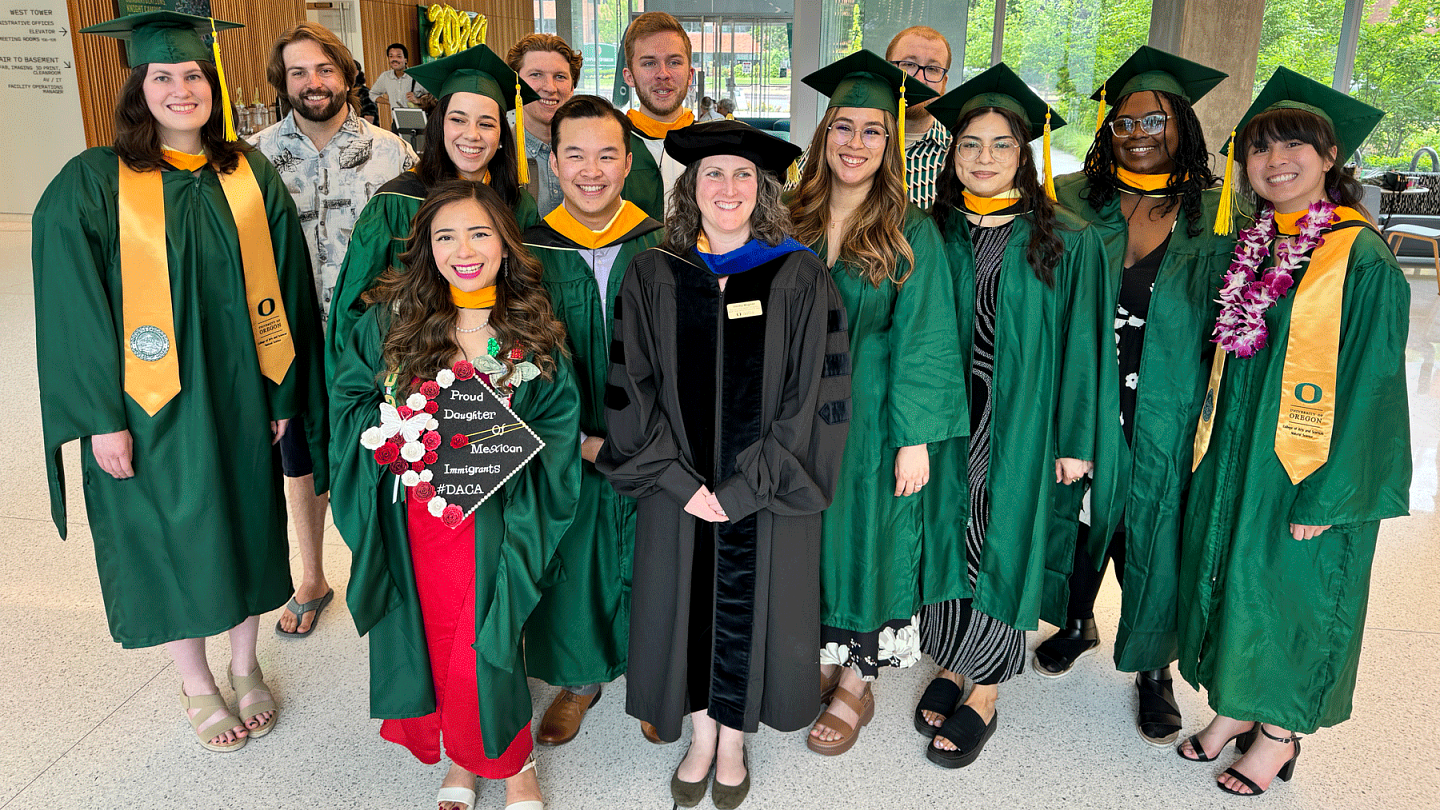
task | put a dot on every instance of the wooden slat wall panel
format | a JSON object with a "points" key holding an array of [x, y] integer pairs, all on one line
{"points": [[100, 61]]}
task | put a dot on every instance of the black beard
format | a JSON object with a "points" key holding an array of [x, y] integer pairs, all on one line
{"points": [[337, 101]]}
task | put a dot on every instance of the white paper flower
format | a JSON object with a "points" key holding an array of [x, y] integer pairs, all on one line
{"points": [[410, 478], [433, 424], [372, 438], [426, 475], [900, 647], [436, 505], [412, 451], [834, 654], [445, 379], [416, 401], [1132, 380]]}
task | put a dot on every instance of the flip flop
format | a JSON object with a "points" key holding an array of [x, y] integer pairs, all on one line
{"points": [[317, 605]]}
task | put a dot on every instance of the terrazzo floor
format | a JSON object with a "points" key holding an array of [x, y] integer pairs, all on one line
{"points": [[85, 724]]}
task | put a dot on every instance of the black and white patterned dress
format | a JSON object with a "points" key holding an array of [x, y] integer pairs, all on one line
{"points": [[960, 639]]}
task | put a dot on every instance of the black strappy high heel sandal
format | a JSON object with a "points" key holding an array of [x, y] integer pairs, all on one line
{"points": [[1286, 771], [1242, 742]]}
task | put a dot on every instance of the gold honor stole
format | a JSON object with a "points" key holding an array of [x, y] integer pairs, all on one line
{"points": [[986, 206], [656, 130], [152, 365], [1307, 388], [625, 220], [1147, 185]]}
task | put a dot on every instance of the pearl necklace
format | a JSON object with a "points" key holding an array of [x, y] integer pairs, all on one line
{"points": [[476, 329]]}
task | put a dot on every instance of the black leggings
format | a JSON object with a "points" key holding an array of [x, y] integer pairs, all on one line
{"points": [[1085, 579]]}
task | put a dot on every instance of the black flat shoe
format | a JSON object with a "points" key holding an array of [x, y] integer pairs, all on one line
{"points": [[729, 797], [1286, 771], [940, 697], [1242, 742], [1158, 715], [967, 732], [689, 794], [1056, 655]]}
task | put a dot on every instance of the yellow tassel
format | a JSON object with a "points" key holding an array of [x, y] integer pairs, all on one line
{"points": [[904, 180], [1045, 145], [1100, 114], [1224, 218], [792, 174], [522, 164], [224, 89]]}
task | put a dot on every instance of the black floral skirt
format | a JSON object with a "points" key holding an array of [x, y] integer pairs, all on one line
{"points": [[895, 644]]}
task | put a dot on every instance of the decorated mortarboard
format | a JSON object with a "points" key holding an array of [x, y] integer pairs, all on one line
{"points": [[1153, 69], [163, 37], [168, 38], [455, 441], [710, 138], [1351, 119], [479, 70], [998, 86]]}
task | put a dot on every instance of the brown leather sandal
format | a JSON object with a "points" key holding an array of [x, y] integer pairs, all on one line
{"points": [[864, 706]]}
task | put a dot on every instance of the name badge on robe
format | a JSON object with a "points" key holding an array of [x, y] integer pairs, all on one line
{"points": [[744, 309]]}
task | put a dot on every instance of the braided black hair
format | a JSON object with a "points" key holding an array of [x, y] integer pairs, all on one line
{"points": [[1192, 162]]}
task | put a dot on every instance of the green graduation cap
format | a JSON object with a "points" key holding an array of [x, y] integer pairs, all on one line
{"points": [[162, 37], [1153, 69], [863, 79], [1352, 120], [996, 87], [474, 70]]}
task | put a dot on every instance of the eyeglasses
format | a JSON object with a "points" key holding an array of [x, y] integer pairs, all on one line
{"points": [[934, 74], [1000, 151], [1150, 125], [871, 137]]}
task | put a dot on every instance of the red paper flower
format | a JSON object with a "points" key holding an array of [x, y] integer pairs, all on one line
{"points": [[399, 466], [423, 491], [405, 412], [464, 370], [430, 389], [432, 406], [452, 515], [417, 466], [430, 457], [386, 453], [396, 440], [431, 440], [459, 440], [517, 353]]}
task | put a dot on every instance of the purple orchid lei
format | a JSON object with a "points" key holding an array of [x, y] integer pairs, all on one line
{"points": [[1244, 298]]}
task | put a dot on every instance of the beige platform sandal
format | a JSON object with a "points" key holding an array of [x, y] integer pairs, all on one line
{"points": [[244, 685], [212, 728]]}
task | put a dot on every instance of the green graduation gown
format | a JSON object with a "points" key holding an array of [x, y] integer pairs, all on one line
{"points": [[1054, 396], [195, 543], [376, 244], [1173, 370], [881, 559], [578, 633], [644, 186], [516, 532], [1271, 627]]}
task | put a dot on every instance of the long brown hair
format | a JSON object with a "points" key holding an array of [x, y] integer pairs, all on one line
{"points": [[137, 135], [421, 340], [875, 239], [1045, 248], [1288, 124], [435, 165]]}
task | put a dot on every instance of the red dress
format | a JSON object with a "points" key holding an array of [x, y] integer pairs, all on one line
{"points": [[444, 561]]}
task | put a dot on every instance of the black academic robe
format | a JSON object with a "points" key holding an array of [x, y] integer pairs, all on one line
{"points": [[727, 615]]}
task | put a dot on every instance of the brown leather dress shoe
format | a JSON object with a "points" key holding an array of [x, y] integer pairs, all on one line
{"points": [[651, 733], [562, 720]]}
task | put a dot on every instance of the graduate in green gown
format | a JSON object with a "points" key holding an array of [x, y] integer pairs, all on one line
{"points": [[881, 559], [1148, 191], [578, 633], [158, 261], [466, 137], [1303, 444], [444, 597], [1035, 311]]}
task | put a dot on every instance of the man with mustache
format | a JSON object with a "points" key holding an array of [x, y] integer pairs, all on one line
{"points": [[393, 83], [331, 161]]}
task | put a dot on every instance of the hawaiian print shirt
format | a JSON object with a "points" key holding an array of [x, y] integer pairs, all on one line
{"points": [[331, 186]]}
